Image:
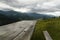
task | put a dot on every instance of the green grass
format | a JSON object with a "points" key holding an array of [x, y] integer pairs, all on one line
{"points": [[51, 25]]}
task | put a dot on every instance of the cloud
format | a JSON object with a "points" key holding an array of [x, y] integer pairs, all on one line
{"points": [[19, 3], [2, 5], [44, 6], [23, 10], [56, 13]]}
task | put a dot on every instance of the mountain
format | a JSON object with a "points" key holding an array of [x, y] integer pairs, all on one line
{"points": [[7, 17], [38, 16]]}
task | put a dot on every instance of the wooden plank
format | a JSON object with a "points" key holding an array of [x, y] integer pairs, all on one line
{"points": [[11, 31], [47, 36], [27, 33]]}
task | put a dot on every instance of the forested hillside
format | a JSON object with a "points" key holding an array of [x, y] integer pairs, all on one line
{"points": [[7, 17]]}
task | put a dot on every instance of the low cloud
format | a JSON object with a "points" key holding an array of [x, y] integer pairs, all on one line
{"points": [[44, 6]]}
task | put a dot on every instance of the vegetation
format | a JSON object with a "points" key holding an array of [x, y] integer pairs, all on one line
{"points": [[52, 25], [7, 17]]}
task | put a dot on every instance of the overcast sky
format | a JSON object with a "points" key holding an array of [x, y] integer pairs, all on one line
{"points": [[49, 7]]}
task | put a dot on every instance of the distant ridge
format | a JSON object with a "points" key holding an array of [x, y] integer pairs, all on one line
{"points": [[13, 16]]}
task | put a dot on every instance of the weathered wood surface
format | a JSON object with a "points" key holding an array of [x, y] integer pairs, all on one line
{"points": [[26, 34], [47, 36], [15, 31]]}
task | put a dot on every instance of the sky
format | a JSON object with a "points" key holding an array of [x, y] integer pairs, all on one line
{"points": [[48, 7]]}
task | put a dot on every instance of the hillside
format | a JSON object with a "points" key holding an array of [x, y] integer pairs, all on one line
{"points": [[51, 25], [23, 16], [11, 16]]}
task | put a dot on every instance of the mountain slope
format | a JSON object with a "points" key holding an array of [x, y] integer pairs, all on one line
{"points": [[13, 16]]}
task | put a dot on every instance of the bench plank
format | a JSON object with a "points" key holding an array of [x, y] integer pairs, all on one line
{"points": [[47, 36]]}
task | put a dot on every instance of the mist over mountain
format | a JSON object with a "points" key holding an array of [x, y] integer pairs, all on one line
{"points": [[49, 7], [11, 16]]}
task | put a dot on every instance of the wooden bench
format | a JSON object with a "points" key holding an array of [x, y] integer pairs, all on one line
{"points": [[47, 36]]}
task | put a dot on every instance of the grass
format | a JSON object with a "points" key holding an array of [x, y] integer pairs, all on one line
{"points": [[51, 25]]}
